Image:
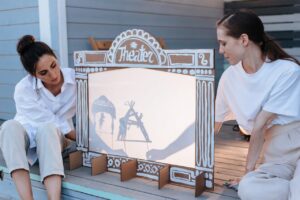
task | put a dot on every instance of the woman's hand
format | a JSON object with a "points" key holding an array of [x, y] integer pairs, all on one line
{"points": [[233, 183], [71, 135]]}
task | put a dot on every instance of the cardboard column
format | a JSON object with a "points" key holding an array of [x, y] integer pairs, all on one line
{"points": [[163, 176], [128, 170], [200, 184], [99, 165]]}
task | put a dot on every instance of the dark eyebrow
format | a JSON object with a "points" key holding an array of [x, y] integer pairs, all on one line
{"points": [[53, 63], [40, 72]]}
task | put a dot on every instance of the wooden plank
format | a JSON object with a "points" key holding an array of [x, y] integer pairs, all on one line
{"points": [[289, 43], [79, 44], [273, 10], [6, 115], [8, 47], [16, 16], [226, 156], [6, 91], [233, 143], [283, 26], [233, 172], [234, 164], [204, 3], [280, 18], [293, 51], [107, 31], [109, 17], [7, 105], [255, 4], [14, 32], [8, 5], [11, 76], [10, 62], [231, 149], [156, 7], [282, 35]]}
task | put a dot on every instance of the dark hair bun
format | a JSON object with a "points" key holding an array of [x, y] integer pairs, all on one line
{"points": [[24, 43]]}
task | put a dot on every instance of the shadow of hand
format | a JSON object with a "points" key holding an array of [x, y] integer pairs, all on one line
{"points": [[156, 154]]}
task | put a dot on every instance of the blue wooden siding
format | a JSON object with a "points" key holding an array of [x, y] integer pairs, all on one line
{"points": [[17, 18], [188, 24], [183, 24]]}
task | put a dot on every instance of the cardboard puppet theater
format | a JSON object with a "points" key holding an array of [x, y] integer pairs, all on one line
{"points": [[145, 111]]}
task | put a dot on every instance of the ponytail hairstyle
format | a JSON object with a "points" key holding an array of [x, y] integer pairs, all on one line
{"points": [[30, 52], [247, 22]]}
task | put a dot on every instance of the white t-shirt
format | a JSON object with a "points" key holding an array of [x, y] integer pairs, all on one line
{"points": [[36, 105], [275, 88]]}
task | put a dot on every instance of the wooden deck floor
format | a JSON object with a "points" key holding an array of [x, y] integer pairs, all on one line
{"points": [[230, 156]]}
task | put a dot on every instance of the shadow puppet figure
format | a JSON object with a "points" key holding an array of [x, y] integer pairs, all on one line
{"points": [[184, 140], [102, 106], [131, 118]]}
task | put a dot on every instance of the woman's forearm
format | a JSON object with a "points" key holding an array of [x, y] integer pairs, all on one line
{"points": [[261, 123], [218, 126], [255, 147]]}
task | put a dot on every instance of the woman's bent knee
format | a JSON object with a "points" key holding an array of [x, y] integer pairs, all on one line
{"points": [[11, 127], [10, 132]]}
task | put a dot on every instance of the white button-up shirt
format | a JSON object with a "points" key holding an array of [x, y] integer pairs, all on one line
{"points": [[35, 105]]}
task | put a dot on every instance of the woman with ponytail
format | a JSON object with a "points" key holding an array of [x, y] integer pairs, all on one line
{"points": [[45, 104], [261, 91]]}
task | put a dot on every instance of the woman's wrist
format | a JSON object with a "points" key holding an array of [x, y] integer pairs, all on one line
{"points": [[71, 135], [249, 169]]}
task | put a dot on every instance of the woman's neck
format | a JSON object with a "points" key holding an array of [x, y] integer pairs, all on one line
{"points": [[55, 89], [253, 60]]}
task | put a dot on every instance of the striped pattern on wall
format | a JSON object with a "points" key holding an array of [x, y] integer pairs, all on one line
{"points": [[17, 17], [281, 20]]}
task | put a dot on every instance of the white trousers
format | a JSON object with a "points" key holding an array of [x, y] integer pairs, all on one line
{"points": [[14, 144], [278, 178]]}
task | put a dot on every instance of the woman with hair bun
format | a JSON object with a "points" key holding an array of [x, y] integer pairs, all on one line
{"points": [[45, 104], [261, 90]]}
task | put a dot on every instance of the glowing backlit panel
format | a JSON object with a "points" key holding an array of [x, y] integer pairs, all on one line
{"points": [[143, 113]]}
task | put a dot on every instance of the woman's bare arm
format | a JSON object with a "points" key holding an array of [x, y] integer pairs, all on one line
{"points": [[218, 126], [71, 135], [257, 138]]}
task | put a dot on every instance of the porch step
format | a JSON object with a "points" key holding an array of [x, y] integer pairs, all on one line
{"points": [[8, 190]]}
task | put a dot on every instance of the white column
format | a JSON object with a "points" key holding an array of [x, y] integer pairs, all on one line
{"points": [[53, 27], [44, 22], [62, 33]]}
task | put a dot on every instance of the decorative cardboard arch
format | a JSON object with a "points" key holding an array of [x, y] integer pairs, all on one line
{"points": [[134, 51]]}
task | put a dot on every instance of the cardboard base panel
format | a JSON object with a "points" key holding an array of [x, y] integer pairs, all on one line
{"points": [[75, 160], [200, 184], [128, 170], [99, 165], [164, 176]]}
